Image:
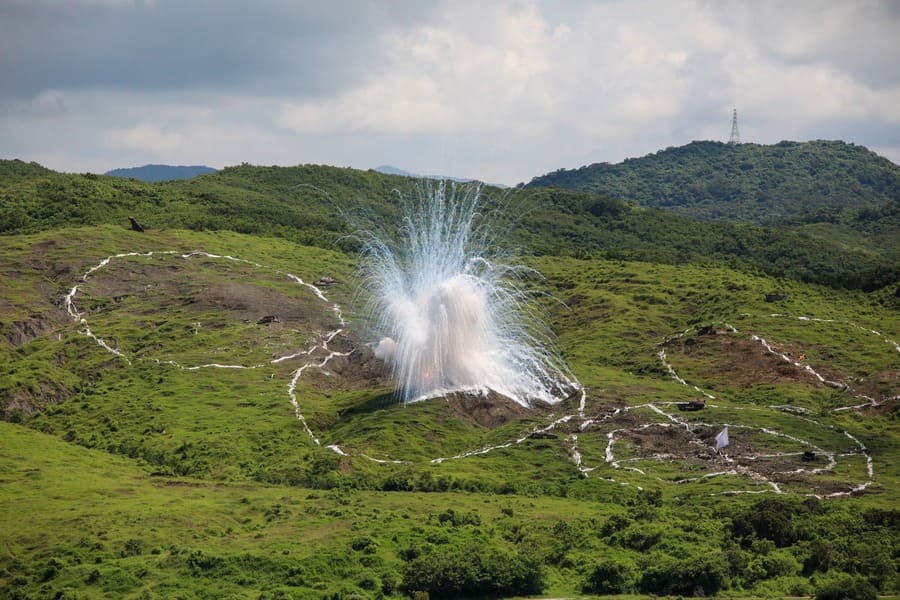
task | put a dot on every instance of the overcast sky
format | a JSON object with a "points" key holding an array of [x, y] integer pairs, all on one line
{"points": [[501, 90]]}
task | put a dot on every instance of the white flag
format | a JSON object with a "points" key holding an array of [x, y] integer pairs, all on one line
{"points": [[722, 439]]}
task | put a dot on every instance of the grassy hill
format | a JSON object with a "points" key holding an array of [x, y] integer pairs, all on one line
{"points": [[316, 205], [165, 440], [747, 182]]}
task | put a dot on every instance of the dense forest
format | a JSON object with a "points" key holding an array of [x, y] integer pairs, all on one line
{"points": [[754, 183]]}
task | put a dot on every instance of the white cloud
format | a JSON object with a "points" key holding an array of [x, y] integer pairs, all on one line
{"points": [[443, 77], [503, 91], [145, 137]]}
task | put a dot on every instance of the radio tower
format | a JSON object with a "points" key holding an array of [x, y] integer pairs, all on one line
{"points": [[735, 136]]}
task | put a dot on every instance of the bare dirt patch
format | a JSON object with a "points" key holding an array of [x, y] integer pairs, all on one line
{"points": [[742, 361], [758, 454], [357, 371], [489, 410], [745, 363], [153, 287]]}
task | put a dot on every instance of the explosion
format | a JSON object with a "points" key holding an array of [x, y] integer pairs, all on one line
{"points": [[450, 310]]}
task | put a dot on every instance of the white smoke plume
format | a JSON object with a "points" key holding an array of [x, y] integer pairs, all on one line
{"points": [[449, 307]]}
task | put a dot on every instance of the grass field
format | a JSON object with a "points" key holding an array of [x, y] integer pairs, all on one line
{"points": [[162, 455]]}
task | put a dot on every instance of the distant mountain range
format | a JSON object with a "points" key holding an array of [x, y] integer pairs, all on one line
{"points": [[389, 170], [755, 183], [161, 172]]}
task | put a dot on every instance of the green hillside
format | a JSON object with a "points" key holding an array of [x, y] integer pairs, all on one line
{"points": [[164, 439], [747, 182], [184, 416], [317, 205]]}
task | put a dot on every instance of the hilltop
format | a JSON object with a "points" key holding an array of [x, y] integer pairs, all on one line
{"points": [[389, 170], [746, 182]]}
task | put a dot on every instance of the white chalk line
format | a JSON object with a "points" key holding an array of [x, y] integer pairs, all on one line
{"points": [[574, 452], [862, 450], [73, 311], [869, 401], [296, 375]]}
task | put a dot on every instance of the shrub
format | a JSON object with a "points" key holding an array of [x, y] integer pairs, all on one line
{"points": [[198, 561], [770, 519], [701, 573], [777, 563], [640, 538], [847, 588], [613, 524], [52, 570], [611, 577], [365, 545], [390, 583], [458, 519], [470, 570], [133, 547]]}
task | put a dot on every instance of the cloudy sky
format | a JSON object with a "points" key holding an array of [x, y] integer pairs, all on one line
{"points": [[500, 90]]}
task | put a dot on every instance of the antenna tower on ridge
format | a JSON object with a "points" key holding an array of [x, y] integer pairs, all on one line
{"points": [[735, 136]]}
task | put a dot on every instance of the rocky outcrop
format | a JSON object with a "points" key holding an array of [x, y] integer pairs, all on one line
{"points": [[22, 332]]}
